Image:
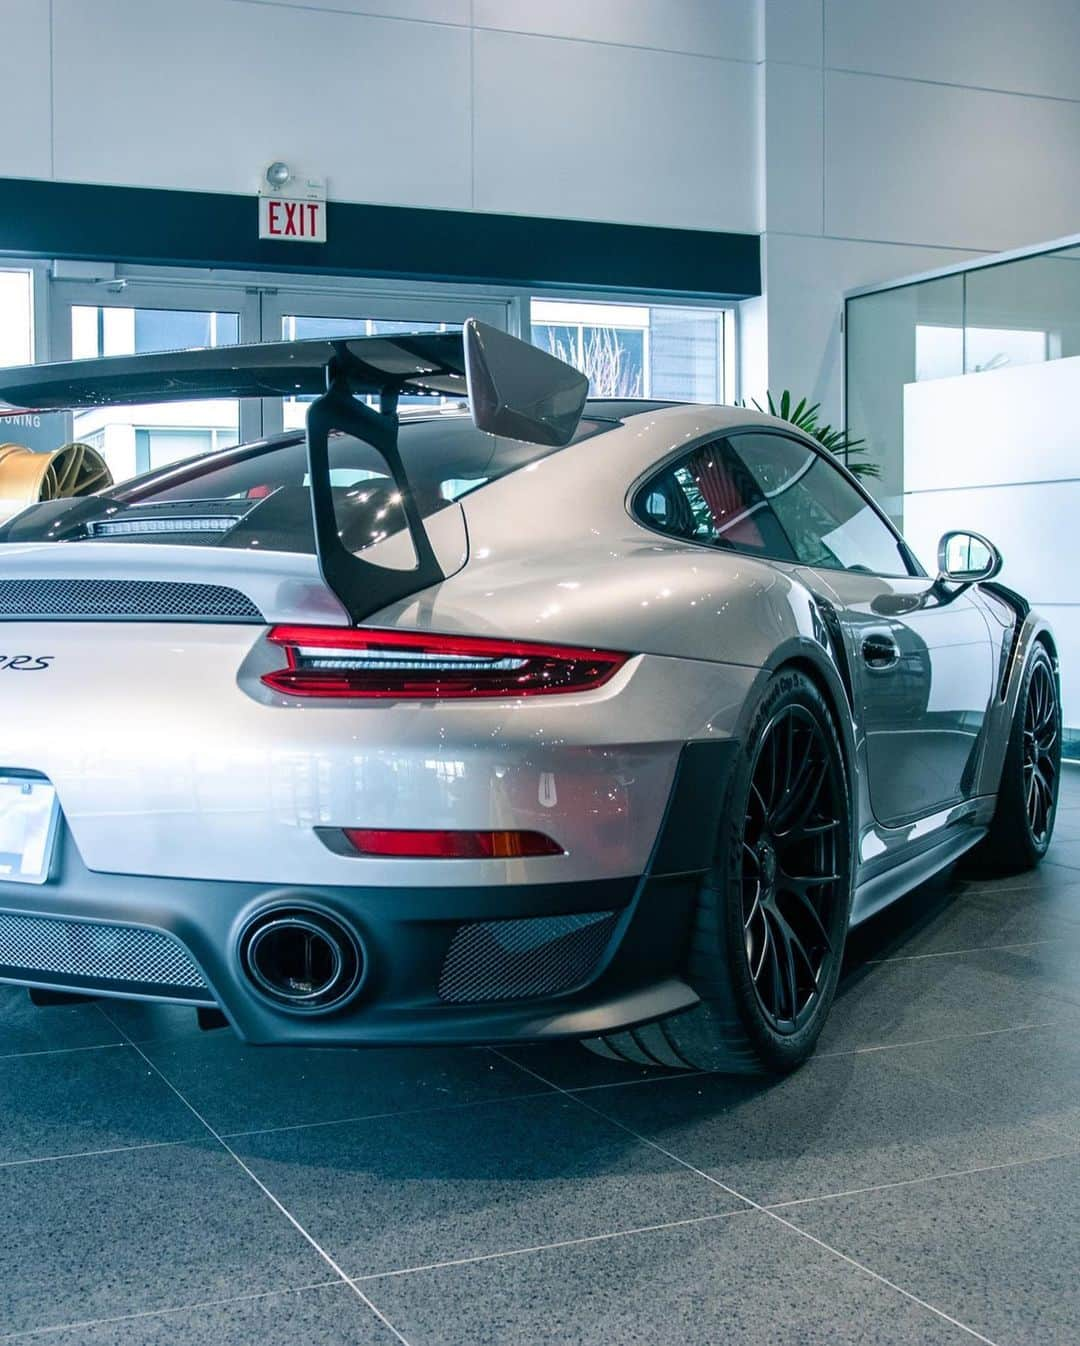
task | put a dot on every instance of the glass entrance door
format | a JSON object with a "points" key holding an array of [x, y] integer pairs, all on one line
{"points": [[291, 315], [16, 317], [131, 315], [94, 318]]}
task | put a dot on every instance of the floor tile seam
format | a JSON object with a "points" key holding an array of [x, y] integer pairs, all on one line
{"points": [[787, 1224], [217, 1302], [271, 1196]]}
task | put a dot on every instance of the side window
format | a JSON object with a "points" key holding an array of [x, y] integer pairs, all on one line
{"points": [[709, 496], [829, 523]]}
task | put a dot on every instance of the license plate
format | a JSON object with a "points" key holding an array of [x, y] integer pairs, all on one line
{"points": [[29, 814]]}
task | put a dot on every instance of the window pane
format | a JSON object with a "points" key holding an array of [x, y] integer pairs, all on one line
{"points": [[614, 359], [994, 348], [710, 497], [16, 318], [301, 327], [1022, 312], [156, 330], [897, 337], [444, 458], [558, 339], [826, 519], [687, 354], [137, 438], [139, 331], [630, 350]]}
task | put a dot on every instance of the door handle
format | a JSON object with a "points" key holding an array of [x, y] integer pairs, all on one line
{"points": [[880, 652]]}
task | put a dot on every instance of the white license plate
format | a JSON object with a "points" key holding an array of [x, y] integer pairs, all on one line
{"points": [[29, 814]]}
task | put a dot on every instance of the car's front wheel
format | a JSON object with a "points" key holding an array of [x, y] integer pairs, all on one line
{"points": [[772, 913], [1023, 822]]}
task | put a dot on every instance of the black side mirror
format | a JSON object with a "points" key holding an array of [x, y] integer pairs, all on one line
{"points": [[966, 558]]}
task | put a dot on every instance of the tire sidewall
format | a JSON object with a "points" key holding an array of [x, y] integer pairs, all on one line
{"points": [[777, 1051], [1012, 791]]}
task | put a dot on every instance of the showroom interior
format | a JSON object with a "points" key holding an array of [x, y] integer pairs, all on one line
{"points": [[869, 206]]}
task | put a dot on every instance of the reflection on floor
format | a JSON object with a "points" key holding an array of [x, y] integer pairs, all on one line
{"points": [[919, 1181]]}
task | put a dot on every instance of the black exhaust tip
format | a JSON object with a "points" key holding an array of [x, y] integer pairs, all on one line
{"points": [[301, 959]]}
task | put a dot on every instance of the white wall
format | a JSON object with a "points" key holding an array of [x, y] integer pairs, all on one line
{"points": [[637, 111], [869, 138], [997, 452], [902, 137]]}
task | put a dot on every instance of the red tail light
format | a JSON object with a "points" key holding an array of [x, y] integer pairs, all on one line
{"points": [[450, 845], [326, 661]]}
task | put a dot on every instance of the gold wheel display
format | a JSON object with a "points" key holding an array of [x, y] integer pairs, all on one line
{"points": [[27, 478]]}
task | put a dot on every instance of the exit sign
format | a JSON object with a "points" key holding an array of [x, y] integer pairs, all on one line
{"points": [[295, 214], [292, 221]]}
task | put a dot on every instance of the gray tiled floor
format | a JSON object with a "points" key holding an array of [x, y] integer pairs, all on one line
{"points": [[919, 1181]]}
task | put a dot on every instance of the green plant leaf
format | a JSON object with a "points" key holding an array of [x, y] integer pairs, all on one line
{"points": [[831, 438]]}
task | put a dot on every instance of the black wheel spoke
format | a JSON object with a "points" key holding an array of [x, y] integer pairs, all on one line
{"points": [[792, 819], [786, 999], [791, 980], [794, 945], [794, 866], [1041, 750], [775, 786], [807, 906], [766, 940], [777, 979]]}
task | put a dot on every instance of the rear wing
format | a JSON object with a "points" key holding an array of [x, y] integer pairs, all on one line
{"points": [[513, 390]]}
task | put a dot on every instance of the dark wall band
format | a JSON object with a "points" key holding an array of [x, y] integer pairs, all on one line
{"points": [[146, 226]]}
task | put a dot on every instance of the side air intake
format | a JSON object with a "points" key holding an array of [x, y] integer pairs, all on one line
{"points": [[96, 955], [524, 959]]}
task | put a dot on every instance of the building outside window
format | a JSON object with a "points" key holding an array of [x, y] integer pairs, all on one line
{"points": [[632, 350], [677, 352], [137, 438], [303, 328]]}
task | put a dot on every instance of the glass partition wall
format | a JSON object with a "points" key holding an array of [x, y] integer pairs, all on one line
{"points": [[964, 385]]}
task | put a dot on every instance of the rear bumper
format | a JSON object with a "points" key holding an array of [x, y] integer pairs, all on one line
{"points": [[74, 933]]}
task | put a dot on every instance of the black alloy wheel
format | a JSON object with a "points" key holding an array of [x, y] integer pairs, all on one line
{"points": [[793, 867], [1041, 752], [772, 912], [1021, 829]]}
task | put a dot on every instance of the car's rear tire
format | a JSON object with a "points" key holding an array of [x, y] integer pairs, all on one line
{"points": [[772, 913], [1023, 821]]}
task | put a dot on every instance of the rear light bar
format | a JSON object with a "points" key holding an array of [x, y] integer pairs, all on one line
{"points": [[442, 845], [355, 663]]}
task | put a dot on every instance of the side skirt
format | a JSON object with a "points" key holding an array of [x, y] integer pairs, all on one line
{"points": [[880, 890]]}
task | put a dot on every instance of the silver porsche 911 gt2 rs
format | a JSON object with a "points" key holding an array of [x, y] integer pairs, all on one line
{"points": [[569, 718]]}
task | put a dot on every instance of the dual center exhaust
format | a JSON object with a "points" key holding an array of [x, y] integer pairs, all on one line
{"points": [[301, 959]]}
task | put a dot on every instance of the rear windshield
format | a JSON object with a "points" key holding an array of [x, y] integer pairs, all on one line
{"points": [[258, 495]]}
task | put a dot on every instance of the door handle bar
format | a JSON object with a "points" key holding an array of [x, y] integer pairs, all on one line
{"points": [[880, 652]]}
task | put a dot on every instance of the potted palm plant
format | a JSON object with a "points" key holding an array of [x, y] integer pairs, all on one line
{"points": [[839, 443]]}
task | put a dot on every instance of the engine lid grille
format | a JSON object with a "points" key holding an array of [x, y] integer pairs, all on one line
{"points": [[127, 600]]}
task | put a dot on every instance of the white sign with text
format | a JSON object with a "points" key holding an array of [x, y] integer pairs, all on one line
{"points": [[295, 214]]}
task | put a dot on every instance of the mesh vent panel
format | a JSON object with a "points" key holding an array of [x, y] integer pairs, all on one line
{"points": [[515, 960], [102, 952], [139, 599]]}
